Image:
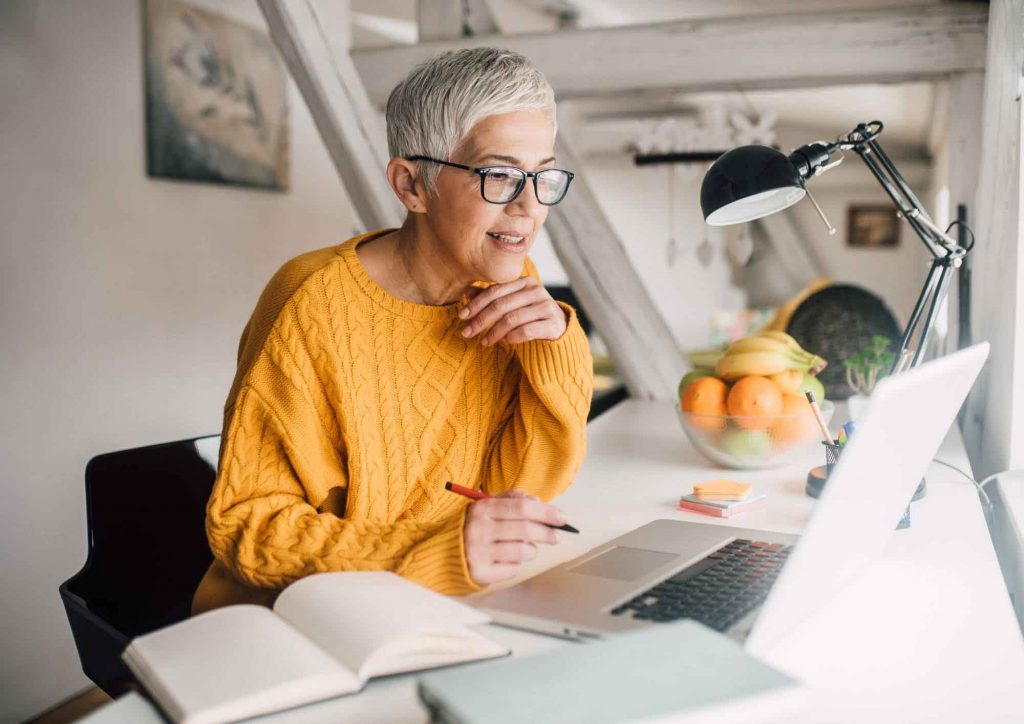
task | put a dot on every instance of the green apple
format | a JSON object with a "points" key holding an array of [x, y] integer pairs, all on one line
{"points": [[694, 374], [745, 444], [813, 385]]}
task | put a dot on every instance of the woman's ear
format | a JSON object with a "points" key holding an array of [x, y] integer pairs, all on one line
{"points": [[405, 181]]}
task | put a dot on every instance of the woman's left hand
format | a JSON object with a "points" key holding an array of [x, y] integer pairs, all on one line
{"points": [[515, 312]]}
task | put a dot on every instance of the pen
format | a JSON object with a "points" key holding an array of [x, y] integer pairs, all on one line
{"points": [[819, 418], [477, 495]]}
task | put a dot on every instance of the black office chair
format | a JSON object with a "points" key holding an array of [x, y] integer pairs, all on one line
{"points": [[147, 550]]}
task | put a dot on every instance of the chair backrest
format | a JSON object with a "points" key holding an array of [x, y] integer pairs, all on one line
{"points": [[147, 547]]}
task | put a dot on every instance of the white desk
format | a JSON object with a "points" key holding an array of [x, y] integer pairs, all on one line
{"points": [[927, 635]]}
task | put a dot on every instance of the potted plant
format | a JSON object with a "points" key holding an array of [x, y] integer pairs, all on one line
{"points": [[864, 370]]}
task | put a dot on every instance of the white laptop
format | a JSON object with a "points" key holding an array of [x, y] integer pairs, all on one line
{"points": [[752, 584]]}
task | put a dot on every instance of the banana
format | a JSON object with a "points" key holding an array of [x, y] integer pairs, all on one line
{"points": [[782, 337], [740, 364], [817, 364], [767, 344]]}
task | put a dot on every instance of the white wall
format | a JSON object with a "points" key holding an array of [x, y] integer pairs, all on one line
{"points": [[895, 274], [121, 297], [635, 200]]}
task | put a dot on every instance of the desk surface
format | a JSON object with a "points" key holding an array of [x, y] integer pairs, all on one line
{"points": [[926, 635]]}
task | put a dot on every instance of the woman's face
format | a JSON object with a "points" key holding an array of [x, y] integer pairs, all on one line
{"points": [[469, 227]]}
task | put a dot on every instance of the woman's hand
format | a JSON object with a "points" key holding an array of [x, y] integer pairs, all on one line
{"points": [[515, 312], [503, 532]]}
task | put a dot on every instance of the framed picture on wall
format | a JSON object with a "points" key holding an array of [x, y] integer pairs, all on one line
{"points": [[872, 226], [216, 99]]}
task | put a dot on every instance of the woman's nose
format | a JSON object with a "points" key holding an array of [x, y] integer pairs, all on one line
{"points": [[526, 203]]}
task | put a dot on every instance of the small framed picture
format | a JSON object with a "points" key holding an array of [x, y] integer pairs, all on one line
{"points": [[872, 226]]}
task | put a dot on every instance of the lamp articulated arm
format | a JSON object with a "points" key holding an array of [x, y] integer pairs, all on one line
{"points": [[814, 158], [751, 182]]}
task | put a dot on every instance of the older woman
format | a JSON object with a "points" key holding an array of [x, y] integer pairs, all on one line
{"points": [[372, 373]]}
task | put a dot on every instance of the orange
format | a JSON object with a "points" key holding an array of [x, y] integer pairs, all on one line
{"points": [[752, 398], [788, 381], [705, 396], [800, 425]]}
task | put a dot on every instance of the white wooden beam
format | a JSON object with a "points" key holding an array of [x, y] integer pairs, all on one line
{"points": [[520, 16], [371, 30], [609, 288], [597, 13], [994, 425], [778, 51], [792, 248], [444, 19], [351, 128]]}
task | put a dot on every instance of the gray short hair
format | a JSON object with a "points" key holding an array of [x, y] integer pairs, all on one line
{"points": [[432, 111]]}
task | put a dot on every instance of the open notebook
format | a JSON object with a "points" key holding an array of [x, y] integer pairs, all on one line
{"points": [[326, 636]]}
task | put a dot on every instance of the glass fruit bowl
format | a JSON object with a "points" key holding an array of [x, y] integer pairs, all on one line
{"points": [[751, 443]]}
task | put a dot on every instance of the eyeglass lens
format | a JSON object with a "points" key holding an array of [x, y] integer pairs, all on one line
{"points": [[502, 185]]}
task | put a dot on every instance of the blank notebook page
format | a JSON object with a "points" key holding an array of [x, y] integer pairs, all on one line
{"points": [[211, 662]]}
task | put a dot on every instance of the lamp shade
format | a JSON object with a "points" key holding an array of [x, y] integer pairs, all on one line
{"points": [[747, 183]]}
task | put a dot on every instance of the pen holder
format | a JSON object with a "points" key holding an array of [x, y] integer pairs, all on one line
{"points": [[832, 452], [818, 476]]}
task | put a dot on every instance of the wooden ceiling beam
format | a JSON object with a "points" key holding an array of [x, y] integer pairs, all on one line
{"points": [[876, 45]]}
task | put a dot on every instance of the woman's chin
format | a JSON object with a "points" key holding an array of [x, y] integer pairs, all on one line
{"points": [[504, 273]]}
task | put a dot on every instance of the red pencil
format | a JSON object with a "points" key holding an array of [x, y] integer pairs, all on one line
{"points": [[478, 495]]}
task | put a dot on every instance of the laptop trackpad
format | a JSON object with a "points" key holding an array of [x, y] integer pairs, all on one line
{"points": [[624, 563]]}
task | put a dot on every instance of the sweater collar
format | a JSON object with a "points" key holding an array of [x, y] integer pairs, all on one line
{"points": [[401, 307]]}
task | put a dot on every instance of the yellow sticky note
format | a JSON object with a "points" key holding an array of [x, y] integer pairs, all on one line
{"points": [[722, 489]]}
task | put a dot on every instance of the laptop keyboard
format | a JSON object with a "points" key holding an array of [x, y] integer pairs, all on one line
{"points": [[717, 591]]}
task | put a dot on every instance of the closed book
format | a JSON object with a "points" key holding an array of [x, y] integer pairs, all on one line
{"points": [[675, 672]]}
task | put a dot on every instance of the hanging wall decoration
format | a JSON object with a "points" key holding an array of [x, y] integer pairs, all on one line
{"points": [[692, 140], [687, 144], [216, 99]]}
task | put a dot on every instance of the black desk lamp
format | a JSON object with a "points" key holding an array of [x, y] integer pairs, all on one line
{"points": [[750, 182]]}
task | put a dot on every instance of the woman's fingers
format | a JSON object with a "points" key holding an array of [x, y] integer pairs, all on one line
{"points": [[488, 308], [503, 532], [508, 552], [483, 297], [525, 509], [526, 531], [542, 320]]}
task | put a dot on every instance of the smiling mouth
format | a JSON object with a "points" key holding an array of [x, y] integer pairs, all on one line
{"points": [[507, 238]]}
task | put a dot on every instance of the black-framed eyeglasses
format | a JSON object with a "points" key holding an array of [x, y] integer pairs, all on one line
{"points": [[502, 184]]}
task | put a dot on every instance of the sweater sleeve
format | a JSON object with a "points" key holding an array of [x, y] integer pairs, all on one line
{"points": [[281, 457], [541, 438]]}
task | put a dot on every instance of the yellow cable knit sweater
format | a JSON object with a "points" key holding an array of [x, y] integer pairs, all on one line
{"points": [[349, 411]]}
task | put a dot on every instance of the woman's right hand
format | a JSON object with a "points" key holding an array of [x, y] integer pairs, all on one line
{"points": [[503, 532]]}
